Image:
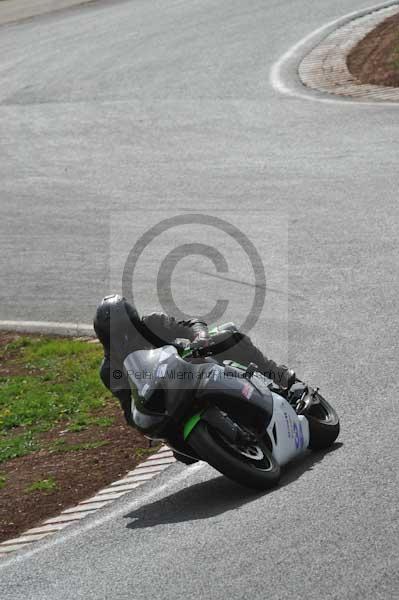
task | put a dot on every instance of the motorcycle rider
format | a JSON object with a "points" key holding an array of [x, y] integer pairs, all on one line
{"points": [[121, 330]]}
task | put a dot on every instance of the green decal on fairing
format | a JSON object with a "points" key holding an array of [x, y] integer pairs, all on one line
{"points": [[213, 330], [186, 352], [191, 423], [238, 365]]}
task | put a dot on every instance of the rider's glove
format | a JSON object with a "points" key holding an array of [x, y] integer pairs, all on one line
{"points": [[201, 346]]}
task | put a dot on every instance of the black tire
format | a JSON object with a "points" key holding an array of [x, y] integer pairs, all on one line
{"points": [[213, 449], [323, 425], [183, 458]]}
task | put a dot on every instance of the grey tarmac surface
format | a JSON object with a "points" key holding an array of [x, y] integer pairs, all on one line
{"points": [[16, 10], [115, 115]]}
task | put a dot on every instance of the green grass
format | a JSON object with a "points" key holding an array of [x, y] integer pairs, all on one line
{"points": [[84, 421], [12, 446], [3, 481], [43, 485], [59, 383], [140, 453], [63, 446]]}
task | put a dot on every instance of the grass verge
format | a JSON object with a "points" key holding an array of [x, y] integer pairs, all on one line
{"points": [[62, 436]]}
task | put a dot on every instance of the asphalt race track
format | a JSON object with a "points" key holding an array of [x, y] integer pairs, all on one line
{"points": [[115, 115]]}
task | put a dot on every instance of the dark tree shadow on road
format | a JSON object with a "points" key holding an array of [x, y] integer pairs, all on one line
{"points": [[215, 496]]}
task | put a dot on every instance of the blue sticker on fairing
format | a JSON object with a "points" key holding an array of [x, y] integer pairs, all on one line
{"points": [[298, 434]]}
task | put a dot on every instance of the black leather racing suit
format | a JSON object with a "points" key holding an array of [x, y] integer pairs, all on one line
{"points": [[157, 330]]}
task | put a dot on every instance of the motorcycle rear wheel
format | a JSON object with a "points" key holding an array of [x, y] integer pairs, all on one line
{"points": [[253, 466]]}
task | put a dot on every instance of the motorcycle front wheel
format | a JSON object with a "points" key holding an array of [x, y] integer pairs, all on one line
{"points": [[251, 465], [323, 424]]}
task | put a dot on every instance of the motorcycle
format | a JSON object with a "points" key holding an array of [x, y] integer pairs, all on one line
{"points": [[227, 414]]}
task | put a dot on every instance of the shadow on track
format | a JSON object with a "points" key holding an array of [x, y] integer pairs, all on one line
{"points": [[214, 496]]}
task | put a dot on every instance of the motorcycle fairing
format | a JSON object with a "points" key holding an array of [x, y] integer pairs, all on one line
{"points": [[227, 388], [288, 432], [165, 385]]}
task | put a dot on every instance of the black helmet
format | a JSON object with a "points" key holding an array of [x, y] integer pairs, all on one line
{"points": [[116, 322]]}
